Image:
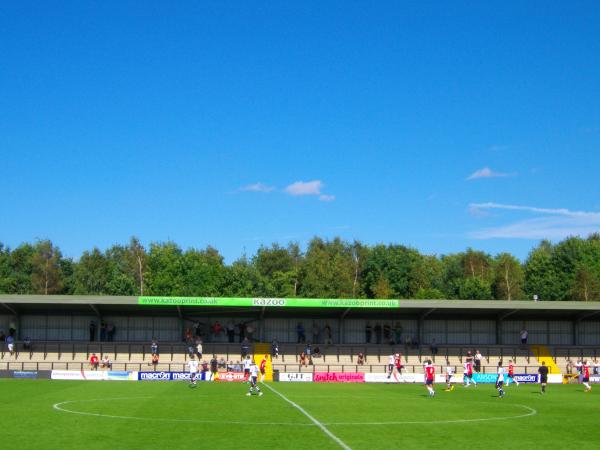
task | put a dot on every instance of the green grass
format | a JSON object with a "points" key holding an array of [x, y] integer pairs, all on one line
{"points": [[166, 415]]}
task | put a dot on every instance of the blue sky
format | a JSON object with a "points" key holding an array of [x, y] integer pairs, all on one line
{"points": [[434, 125]]}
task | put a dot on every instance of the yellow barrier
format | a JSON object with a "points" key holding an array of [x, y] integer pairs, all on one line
{"points": [[260, 350], [542, 354]]}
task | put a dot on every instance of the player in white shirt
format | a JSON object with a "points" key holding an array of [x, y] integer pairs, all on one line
{"points": [[391, 366], [193, 369], [247, 363], [500, 380], [449, 375], [253, 380]]}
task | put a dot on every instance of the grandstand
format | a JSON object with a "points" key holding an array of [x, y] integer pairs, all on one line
{"points": [[59, 329]]}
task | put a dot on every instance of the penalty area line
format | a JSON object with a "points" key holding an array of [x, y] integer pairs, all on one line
{"points": [[323, 428]]}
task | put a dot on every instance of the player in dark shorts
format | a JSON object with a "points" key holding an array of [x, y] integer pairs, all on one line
{"points": [[214, 367], [543, 371]]}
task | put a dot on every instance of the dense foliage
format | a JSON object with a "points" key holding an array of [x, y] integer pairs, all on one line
{"points": [[568, 270]]}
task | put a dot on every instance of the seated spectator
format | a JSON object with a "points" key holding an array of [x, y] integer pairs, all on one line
{"points": [[27, 343], [155, 358], [596, 367], [94, 362], [191, 349], [204, 366], [222, 363], [106, 363], [360, 359], [569, 367], [308, 350], [316, 353], [10, 344], [303, 359]]}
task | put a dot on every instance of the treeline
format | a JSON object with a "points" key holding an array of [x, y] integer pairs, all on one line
{"points": [[569, 270]]}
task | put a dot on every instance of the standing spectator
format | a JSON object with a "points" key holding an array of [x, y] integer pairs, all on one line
{"points": [[197, 328], [94, 362], [433, 348], [308, 350], [155, 359], [230, 332], [241, 331], [191, 348], [387, 333], [217, 328], [477, 362], [27, 343], [10, 344], [274, 349], [398, 333], [378, 331], [300, 333], [154, 346], [368, 332], [524, 335], [110, 332], [315, 333], [188, 335], [102, 331], [199, 349], [245, 347], [328, 335], [249, 331], [569, 367], [92, 331]]}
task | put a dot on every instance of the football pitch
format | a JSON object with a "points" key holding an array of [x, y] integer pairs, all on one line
{"points": [[123, 415]]}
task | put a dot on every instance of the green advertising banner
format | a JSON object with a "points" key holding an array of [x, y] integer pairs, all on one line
{"points": [[269, 302]]}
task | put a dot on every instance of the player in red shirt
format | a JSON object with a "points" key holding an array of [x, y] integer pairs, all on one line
{"points": [[398, 362], [511, 374], [429, 377], [263, 367], [468, 373], [586, 376], [94, 361]]}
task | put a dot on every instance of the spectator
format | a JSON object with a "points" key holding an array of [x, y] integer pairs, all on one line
{"points": [[315, 333], [230, 332], [155, 360], [27, 343], [106, 363], [92, 331], [197, 329], [360, 359], [249, 332], [217, 328], [199, 349], [398, 362], [398, 333], [110, 331], [596, 367], [94, 362], [316, 353], [308, 350], [387, 333], [274, 349], [12, 331], [2, 336], [154, 346], [204, 369], [300, 333], [368, 332], [569, 367], [191, 348], [102, 331], [188, 335], [241, 331], [245, 347], [303, 359], [378, 331], [477, 362], [524, 335], [433, 348], [222, 363], [328, 335], [10, 344]]}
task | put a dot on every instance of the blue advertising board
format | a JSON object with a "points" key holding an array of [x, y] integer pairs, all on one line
{"points": [[170, 376]]}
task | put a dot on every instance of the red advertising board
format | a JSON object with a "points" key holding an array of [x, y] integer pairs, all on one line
{"points": [[231, 376]]}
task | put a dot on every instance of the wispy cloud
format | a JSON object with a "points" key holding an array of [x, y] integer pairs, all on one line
{"points": [[257, 187], [305, 188], [551, 223], [326, 198], [486, 172]]}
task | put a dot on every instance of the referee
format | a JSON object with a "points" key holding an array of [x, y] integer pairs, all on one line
{"points": [[543, 371]]}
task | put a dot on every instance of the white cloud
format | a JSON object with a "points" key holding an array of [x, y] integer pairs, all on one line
{"points": [[305, 188], [257, 187], [486, 172], [552, 223], [326, 198]]}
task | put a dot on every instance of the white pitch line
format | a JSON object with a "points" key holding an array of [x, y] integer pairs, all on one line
{"points": [[312, 419]]}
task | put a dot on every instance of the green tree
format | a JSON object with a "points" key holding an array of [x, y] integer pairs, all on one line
{"points": [[541, 278], [382, 288], [45, 275], [92, 273], [166, 271], [508, 279], [586, 285], [475, 288]]}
